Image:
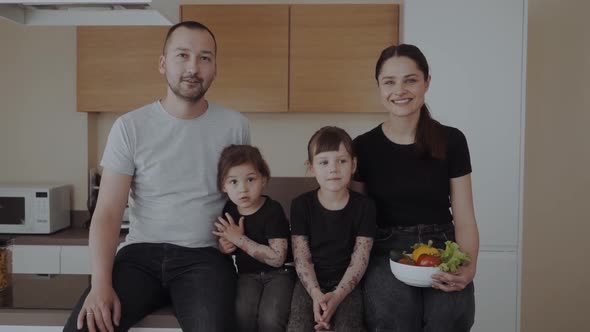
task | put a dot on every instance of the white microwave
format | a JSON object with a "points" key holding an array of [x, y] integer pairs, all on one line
{"points": [[34, 208]]}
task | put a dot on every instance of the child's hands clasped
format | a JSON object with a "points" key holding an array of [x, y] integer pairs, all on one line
{"points": [[330, 302], [319, 308], [227, 229]]}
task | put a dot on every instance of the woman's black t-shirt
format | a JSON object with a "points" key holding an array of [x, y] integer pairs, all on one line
{"points": [[269, 222], [332, 234], [409, 190]]}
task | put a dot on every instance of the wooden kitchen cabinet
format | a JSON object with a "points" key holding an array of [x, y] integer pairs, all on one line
{"points": [[117, 67], [333, 53], [252, 55], [271, 58]]}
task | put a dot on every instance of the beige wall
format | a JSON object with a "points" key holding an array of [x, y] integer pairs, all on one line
{"points": [[282, 138], [555, 295], [42, 138]]}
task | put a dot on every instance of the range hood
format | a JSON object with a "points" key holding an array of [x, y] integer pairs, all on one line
{"points": [[90, 12]]}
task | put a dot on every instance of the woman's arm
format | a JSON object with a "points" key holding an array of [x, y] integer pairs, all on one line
{"points": [[466, 234], [274, 254]]}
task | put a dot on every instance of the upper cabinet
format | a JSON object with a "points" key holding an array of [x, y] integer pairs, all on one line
{"points": [[333, 53], [117, 67], [270, 58], [252, 54]]}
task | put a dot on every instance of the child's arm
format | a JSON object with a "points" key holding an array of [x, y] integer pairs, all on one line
{"points": [[306, 273], [274, 254], [354, 273], [304, 265], [225, 246]]}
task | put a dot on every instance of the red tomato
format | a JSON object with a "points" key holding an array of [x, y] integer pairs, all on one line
{"points": [[406, 260], [428, 260]]}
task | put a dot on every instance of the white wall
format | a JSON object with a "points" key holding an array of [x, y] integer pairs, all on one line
{"points": [[477, 86]]}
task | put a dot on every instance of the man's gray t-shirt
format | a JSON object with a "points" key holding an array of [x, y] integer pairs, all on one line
{"points": [[174, 196]]}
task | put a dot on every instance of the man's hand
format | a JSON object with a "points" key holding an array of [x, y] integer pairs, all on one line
{"points": [[101, 309]]}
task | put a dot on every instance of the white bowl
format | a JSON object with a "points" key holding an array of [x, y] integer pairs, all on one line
{"points": [[418, 276]]}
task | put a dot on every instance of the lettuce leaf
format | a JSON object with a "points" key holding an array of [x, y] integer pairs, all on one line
{"points": [[452, 257]]}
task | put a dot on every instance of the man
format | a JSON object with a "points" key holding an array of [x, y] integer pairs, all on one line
{"points": [[163, 158]]}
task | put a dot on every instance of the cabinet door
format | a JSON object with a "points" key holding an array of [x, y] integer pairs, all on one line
{"points": [[252, 54], [333, 53], [496, 292], [118, 67]]}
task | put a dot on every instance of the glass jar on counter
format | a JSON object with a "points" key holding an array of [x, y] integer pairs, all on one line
{"points": [[5, 263]]}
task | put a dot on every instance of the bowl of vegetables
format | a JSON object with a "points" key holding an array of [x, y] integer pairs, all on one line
{"points": [[416, 268]]}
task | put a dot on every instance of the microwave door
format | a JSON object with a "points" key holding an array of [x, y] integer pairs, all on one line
{"points": [[12, 210]]}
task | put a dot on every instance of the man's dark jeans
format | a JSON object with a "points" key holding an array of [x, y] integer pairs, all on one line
{"points": [[392, 306], [199, 283]]}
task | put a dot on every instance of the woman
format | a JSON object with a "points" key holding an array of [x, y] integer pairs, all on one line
{"points": [[415, 169]]}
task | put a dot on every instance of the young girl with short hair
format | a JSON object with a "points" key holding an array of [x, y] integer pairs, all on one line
{"points": [[332, 231], [254, 228]]}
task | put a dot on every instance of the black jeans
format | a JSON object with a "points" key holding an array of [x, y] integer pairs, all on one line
{"points": [[199, 283], [263, 300], [392, 306]]}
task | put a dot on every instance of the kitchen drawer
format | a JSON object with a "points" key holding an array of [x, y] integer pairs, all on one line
{"points": [[36, 259], [75, 260]]}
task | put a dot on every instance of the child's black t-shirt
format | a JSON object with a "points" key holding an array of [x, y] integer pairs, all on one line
{"points": [[409, 190], [332, 234], [269, 222]]}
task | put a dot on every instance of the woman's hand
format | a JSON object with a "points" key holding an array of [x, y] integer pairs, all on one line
{"points": [[97, 309], [452, 282], [228, 229]]}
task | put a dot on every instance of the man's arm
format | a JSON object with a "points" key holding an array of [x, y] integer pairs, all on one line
{"points": [[106, 224], [102, 307]]}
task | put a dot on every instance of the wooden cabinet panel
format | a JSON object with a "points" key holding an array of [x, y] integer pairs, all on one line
{"points": [[118, 67], [333, 53], [252, 55], [271, 58]]}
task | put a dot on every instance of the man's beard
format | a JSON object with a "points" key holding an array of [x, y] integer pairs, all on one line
{"points": [[191, 96]]}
